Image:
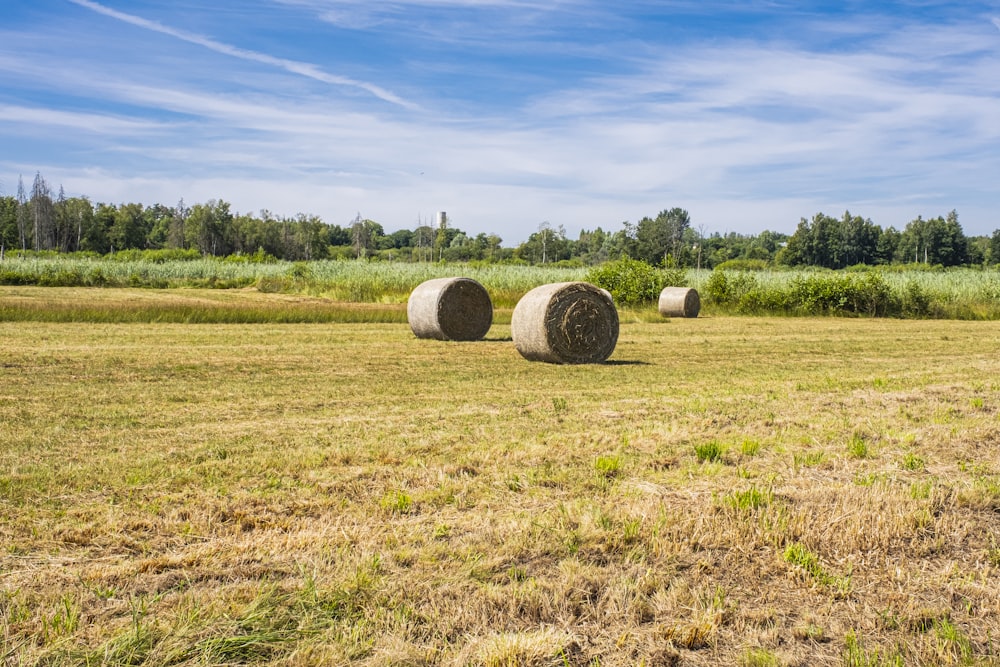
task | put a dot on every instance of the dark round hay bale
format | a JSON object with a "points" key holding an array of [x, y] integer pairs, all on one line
{"points": [[565, 323], [679, 302], [450, 309]]}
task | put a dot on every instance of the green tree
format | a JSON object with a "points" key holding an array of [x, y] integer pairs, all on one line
{"points": [[798, 250], [887, 246], [63, 224], [492, 249], [545, 238], [441, 238], [979, 250], [42, 212], [365, 235], [402, 238], [176, 232], [652, 240], [96, 238], [311, 238], [480, 243], [994, 257], [830, 243], [337, 235], [205, 227], [423, 243], [267, 234], [914, 242], [954, 249], [824, 242], [8, 223], [590, 246], [128, 228], [661, 238], [716, 248], [460, 249], [858, 241], [935, 241], [245, 234], [23, 215], [78, 220], [622, 243], [157, 220], [546, 245]]}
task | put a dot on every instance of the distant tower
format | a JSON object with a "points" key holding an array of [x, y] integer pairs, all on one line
{"points": [[442, 219]]}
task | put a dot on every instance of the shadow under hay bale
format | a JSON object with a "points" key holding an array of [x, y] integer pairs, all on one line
{"points": [[565, 323], [679, 302], [450, 309]]}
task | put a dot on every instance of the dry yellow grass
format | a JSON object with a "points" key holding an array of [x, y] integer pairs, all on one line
{"points": [[322, 494]]}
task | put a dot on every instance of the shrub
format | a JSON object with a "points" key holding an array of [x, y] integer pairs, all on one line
{"points": [[866, 294], [916, 302], [633, 281], [301, 272], [727, 288], [62, 278]]}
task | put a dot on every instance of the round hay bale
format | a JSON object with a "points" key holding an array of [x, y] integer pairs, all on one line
{"points": [[565, 323], [450, 309], [679, 302]]}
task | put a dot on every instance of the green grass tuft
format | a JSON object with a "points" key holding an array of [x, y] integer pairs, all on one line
{"points": [[709, 452]]}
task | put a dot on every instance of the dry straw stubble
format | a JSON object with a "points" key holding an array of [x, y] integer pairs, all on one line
{"points": [[450, 309], [679, 302], [565, 323]]}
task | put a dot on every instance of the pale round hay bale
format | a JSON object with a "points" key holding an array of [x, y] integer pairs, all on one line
{"points": [[679, 302], [565, 323], [450, 309]]}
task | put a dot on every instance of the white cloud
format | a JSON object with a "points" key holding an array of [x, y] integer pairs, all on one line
{"points": [[304, 69], [55, 120]]}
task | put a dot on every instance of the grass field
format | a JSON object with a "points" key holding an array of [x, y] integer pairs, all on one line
{"points": [[747, 491]]}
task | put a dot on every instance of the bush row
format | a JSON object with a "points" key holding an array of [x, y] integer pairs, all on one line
{"points": [[867, 294]]}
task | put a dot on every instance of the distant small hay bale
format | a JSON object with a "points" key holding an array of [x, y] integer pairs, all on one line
{"points": [[450, 309], [565, 323], [679, 302]]}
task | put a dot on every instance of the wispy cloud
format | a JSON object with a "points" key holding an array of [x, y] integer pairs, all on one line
{"points": [[295, 67], [498, 26], [97, 124]]}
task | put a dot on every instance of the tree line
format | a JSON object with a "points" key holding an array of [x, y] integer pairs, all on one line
{"points": [[39, 220]]}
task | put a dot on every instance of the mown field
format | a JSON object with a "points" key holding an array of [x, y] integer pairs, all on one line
{"points": [[748, 491]]}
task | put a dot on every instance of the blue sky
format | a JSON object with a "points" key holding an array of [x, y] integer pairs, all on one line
{"points": [[510, 113]]}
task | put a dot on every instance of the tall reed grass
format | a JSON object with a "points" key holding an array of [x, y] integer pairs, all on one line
{"points": [[350, 281], [954, 294]]}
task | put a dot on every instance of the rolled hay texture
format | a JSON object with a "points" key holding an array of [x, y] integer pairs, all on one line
{"points": [[450, 309], [679, 302], [565, 323]]}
